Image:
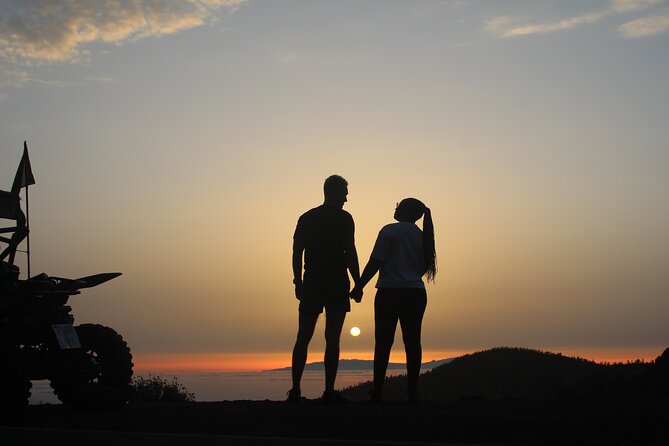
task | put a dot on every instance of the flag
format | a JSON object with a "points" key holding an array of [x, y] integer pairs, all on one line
{"points": [[24, 175]]}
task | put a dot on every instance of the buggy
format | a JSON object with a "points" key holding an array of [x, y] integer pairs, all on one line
{"points": [[89, 366]]}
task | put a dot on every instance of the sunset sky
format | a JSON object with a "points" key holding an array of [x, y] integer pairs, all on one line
{"points": [[179, 141]]}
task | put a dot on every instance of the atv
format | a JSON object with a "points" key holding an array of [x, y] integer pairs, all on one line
{"points": [[89, 366]]}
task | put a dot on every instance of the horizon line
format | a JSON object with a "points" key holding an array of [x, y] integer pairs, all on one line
{"points": [[264, 361]]}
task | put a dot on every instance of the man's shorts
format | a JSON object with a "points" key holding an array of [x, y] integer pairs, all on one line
{"points": [[334, 297]]}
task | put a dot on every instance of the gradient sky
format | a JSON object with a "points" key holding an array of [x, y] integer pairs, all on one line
{"points": [[179, 141]]}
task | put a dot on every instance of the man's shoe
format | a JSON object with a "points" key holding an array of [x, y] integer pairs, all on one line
{"points": [[294, 396], [414, 396], [334, 397]]}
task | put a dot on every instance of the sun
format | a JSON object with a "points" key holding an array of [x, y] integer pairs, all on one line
{"points": [[355, 331]]}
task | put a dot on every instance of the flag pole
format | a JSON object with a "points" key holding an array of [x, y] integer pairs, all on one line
{"points": [[28, 228], [24, 178]]}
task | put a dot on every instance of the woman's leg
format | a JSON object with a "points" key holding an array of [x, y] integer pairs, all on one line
{"points": [[411, 321], [385, 323]]}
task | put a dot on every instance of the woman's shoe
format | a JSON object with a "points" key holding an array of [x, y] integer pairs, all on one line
{"points": [[294, 396], [334, 397]]}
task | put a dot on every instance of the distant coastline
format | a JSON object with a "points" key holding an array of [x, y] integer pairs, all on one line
{"points": [[364, 365]]}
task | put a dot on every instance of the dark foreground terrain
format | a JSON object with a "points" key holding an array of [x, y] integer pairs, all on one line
{"points": [[463, 422], [499, 396]]}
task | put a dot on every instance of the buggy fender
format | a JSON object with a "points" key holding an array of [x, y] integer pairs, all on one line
{"points": [[72, 285], [95, 279]]}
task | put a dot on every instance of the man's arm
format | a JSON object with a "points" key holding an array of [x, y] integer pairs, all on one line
{"points": [[298, 250], [352, 263], [351, 253]]}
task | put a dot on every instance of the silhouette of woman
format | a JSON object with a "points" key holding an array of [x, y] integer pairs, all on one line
{"points": [[402, 254]]}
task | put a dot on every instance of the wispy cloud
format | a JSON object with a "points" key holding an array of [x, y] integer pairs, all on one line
{"points": [[623, 6], [37, 32], [100, 80], [11, 77], [506, 26], [47, 31], [17, 78], [647, 26]]}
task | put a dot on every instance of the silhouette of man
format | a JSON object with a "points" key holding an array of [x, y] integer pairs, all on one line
{"points": [[325, 235]]}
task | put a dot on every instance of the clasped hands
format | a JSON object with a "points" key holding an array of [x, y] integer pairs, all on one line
{"points": [[356, 294]]}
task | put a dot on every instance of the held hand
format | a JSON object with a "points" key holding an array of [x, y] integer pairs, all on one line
{"points": [[356, 294], [298, 291]]}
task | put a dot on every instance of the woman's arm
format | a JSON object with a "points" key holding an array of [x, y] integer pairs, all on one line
{"points": [[372, 267]]}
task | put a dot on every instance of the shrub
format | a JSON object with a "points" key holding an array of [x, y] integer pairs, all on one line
{"points": [[154, 389]]}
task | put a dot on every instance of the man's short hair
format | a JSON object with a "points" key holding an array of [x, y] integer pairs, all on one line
{"points": [[334, 184]]}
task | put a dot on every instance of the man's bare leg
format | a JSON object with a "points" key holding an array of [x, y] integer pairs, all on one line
{"points": [[333, 325], [306, 327]]}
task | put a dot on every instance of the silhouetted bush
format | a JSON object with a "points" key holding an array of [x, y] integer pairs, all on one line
{"points": [[662, 361], [154, 389]]}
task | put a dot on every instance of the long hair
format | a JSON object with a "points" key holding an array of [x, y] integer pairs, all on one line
{"points": [[429, 247], [414, 209]]}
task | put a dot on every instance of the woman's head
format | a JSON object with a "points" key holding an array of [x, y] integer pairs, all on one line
{"points": [[409, 209]]}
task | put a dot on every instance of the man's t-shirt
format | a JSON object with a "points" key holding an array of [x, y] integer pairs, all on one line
{"points": [[399, 247], [325, 232]]}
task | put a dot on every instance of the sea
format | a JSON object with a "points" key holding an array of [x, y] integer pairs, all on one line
{"points": [[231, 386]]}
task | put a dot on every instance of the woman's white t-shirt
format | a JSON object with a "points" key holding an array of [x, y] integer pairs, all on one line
{"points": [[399, 247]]}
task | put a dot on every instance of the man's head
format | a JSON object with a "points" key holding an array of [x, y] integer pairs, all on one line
{"points": [[336, 190]]}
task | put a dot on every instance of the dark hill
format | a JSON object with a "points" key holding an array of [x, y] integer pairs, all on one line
{"points": [[513, 373]]}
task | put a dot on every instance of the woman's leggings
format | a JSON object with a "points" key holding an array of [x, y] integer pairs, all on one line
{"points": [[406, 305]]}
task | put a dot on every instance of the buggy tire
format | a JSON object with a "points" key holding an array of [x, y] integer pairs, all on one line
{"points": [[14, 383], [97, 376]]}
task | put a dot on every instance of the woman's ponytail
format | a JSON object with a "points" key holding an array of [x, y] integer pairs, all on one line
{"points": [[411, 209], [429, 248]]}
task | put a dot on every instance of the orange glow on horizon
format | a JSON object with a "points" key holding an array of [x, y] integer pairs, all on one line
{"points": [[248, 362], [210, 362], [612, 355], [254, 362]]}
